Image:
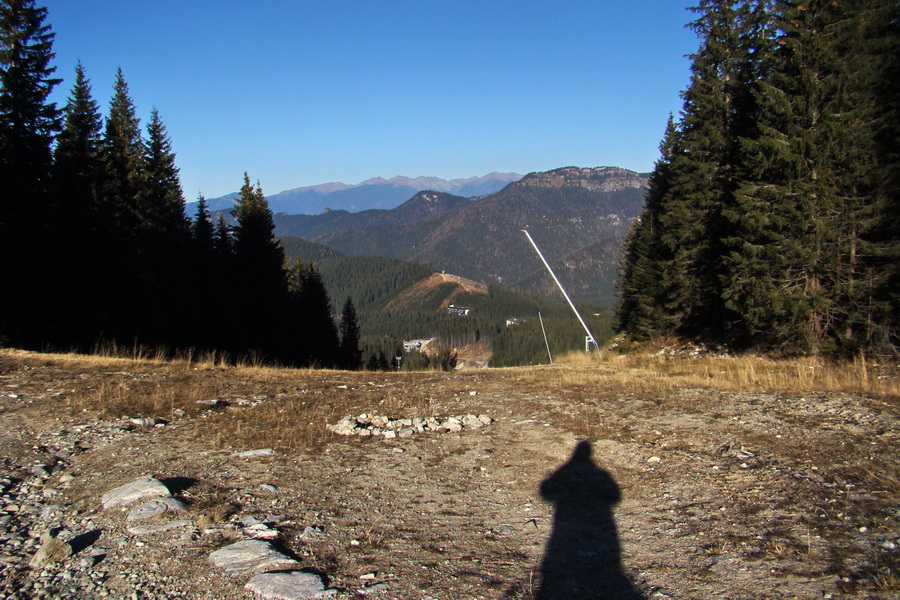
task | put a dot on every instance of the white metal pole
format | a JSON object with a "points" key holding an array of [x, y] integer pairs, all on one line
{"points": [[545, 337], [562, 289]]}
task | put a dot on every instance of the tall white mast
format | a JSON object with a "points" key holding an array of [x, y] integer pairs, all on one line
{"points": [[569, 300]]}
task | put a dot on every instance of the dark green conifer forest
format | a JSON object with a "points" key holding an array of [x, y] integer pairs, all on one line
{"points": [[771, 218], [95, 245]]}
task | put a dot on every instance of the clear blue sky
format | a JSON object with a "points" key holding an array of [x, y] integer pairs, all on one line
{"points": [[300, 92]]}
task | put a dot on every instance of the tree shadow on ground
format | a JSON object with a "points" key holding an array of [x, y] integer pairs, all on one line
{"points": [[582, 559]]}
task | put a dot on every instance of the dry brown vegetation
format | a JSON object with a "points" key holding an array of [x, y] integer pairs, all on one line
{"points": [[286, 407], [749, 373]]}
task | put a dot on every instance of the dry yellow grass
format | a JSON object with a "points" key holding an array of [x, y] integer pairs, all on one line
{"points": [[731, 373], [261, 405], [288, 408]]}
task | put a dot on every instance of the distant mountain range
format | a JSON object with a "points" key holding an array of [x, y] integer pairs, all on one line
{"points": [[376, 193], [578, 216]]}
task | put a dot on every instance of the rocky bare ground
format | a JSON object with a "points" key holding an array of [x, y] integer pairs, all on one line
{"points": [[568, 492]]}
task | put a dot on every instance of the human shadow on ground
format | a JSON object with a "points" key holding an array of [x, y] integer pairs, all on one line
{"points": [[582, 559]]}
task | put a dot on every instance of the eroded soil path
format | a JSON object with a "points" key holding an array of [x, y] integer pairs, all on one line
{"points": [[688, 494]]}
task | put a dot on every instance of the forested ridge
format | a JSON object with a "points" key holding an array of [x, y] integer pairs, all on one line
{"points": [[95, 245], [771, 221], [374, 283]]}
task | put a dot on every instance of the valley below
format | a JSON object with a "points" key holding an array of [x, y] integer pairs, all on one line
{"points": [[619, 477]]}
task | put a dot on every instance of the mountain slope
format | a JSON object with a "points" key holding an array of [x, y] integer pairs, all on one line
{"points": [[346, 226], [564, 210], [578, 217]]}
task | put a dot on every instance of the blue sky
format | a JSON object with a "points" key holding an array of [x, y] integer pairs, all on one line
{"points": [[300, 92]]}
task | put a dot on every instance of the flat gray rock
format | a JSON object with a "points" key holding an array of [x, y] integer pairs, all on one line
{"points": [[292, 585], [145, 487], [155, 508], [251, 556]]}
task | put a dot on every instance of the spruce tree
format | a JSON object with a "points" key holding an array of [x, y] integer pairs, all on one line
{"points": [[202, 230], [124, 162], [28, 120], [218, 306], [163, 239], [75, 219], [774, 222], [223, 240], [349, 353], [315, 338], [120, 197], [640, 309], [797, 267], [703, 172], [884, 238], [77, 157], [207, 283], [261, 287], [163, 199], [28, 123]]}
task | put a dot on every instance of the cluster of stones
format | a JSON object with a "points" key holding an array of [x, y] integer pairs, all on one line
{"points": [[50, 551], [275, 574], [40, 559], [375, 425]]}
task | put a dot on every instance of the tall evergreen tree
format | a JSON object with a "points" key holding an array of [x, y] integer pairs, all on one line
{"points": [[28, 123], [223, 239], [315, 338], [163, 239], [28, 120], [163, 199], [703, 172], [773, 224], [207, 283], [261, 279], [74, 221], [640, 309], [349, 352], [885, 235], [797, 276], [121, 188], [218, 304], [77, 157], [202, 230], [124, 162]]}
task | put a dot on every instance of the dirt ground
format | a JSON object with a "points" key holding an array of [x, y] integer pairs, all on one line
{"points": [[574, 491]]}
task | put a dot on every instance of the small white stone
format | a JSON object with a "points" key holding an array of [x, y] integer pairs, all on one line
{"points": [[253, 453]]}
